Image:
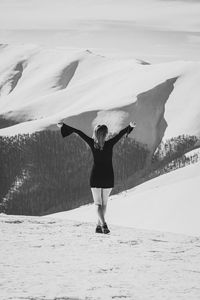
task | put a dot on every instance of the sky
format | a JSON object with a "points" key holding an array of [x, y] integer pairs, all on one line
{"points": [[153, 30]]}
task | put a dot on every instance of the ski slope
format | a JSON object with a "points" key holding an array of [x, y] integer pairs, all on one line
{"points": [[168, 203], [41, 86]]}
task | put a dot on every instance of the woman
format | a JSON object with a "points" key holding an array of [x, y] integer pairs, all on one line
{"points": [[102, 175]]}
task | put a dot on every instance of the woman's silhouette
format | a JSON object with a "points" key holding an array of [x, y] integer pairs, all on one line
{"points": [[102, 175]]}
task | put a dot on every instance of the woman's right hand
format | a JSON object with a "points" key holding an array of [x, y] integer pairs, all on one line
{"points": [[60, 124]]}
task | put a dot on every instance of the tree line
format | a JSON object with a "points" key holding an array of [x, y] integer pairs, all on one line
{"points": [[170, 155], [43, 173]]}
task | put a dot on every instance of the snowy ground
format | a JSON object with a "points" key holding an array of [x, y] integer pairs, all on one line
{"points": [[46, 258]]}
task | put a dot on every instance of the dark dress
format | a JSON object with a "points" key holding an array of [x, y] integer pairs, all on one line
{"points": [[102, 175]]}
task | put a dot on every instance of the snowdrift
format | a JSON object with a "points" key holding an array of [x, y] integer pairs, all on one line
{"points": [[167, 203], [39, 87]]}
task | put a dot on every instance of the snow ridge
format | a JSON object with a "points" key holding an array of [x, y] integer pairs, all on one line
{"points": [[49, 85]]}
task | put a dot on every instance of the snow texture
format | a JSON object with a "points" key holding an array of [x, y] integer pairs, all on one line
{"points": [[46, 258]]}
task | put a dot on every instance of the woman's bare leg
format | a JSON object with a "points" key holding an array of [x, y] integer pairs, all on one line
{"points": [[97, 196], [101, 219], [105, 194]]}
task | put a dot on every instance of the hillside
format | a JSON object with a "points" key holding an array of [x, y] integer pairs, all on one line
{"points": [[40, 86], [167, 203]]}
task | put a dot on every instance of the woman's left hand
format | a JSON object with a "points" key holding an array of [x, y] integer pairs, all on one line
{"points": [[132, 124]]}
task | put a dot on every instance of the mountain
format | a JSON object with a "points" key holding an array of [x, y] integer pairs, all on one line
{"points": [[41, 86]]}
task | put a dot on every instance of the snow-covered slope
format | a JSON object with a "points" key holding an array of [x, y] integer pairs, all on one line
{"points": [[40, 86], [169, 202], [61, 259]]}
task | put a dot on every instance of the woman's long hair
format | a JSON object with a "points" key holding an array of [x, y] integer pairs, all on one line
{"points": [[99, 135]]}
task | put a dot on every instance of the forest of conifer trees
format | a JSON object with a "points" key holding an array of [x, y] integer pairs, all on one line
{"points": [[170, 156], [43, 173]]}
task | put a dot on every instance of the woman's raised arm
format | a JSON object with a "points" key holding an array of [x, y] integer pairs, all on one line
{"points": [[67, 130], [118, 136]]}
